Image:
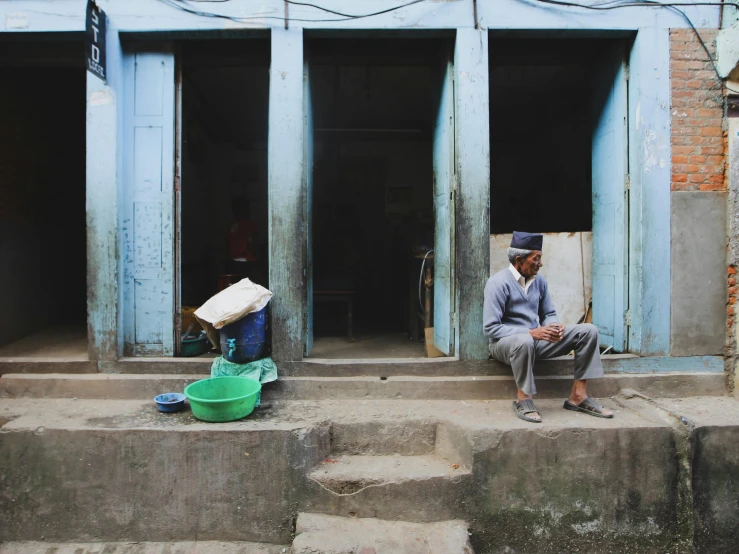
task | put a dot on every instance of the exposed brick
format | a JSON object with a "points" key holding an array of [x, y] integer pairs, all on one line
{"points": [[732, 281], [698, 139], [731, 270], [708, 112]]}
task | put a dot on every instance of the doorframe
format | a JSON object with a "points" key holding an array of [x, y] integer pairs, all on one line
{"points": [[306, 190], [649, 238], [178, 202]]}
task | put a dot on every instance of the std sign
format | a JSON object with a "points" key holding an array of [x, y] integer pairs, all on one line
{"points": [[95, 40]]}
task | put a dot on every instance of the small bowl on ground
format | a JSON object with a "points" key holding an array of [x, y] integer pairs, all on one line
{"points": [[170, 402], [221, 399]]}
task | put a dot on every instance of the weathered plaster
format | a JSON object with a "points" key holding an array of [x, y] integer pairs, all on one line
{"points": [[104, 179], [649, 210], [698, 273], [287, 272], [155, 16], [473, 188], [727, 50], [733, 234]]}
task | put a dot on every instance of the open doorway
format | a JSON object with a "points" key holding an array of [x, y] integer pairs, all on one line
{"points": [[559, 166], [223, 214], [43, 304], [374, 105]]}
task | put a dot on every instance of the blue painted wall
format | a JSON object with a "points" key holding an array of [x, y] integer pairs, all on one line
{"points": [[649, 264], [104, 185]]}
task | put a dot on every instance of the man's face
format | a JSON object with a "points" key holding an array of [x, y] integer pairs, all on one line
{"points": [[530, 265]]}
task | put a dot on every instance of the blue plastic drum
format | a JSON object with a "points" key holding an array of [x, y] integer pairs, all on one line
{"points": [[243, 341]]}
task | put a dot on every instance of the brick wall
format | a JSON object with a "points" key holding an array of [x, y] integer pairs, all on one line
{"points": [[698, 136]]}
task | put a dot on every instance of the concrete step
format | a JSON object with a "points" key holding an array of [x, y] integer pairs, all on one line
{"points": [[352, 474], [377, 367], [180, 547], [46, 365], [117, 470], [116, 386], [340, 535]]}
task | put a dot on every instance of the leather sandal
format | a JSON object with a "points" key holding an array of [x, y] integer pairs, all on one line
{"points": [[524, 407], [588, 406]]}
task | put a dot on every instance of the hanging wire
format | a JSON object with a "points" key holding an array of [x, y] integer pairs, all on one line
{"points": [[185, 6], [672, 6]]}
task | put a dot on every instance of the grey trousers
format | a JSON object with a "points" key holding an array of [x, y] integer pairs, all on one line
{"points": [[521, 351]]}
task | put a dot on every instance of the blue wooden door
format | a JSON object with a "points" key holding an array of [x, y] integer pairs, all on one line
{"points": [[308, 217], [610, 197], [444, 179], [148, 202]]}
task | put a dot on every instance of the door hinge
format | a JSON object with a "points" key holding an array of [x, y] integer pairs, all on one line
{"points": [[454, 320], [627, 318], [627, 71], [627, 181]]}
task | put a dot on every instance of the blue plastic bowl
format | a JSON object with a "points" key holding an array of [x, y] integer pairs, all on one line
{"points": [[170, 401]]}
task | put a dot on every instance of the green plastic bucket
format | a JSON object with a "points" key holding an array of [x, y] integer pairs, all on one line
{"points": [[221, 399]]}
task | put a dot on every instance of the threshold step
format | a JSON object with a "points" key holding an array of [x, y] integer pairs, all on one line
{"points": [[322, 533], [180, 547], [350, 474], [139, 386]]}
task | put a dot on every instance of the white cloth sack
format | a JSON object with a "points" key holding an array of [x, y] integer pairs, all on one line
{"points": [[233, 303]]}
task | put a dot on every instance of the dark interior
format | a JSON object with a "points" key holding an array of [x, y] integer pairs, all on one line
{"points": [[225, 98], [42, 187], [374, 104], [540, 134]]}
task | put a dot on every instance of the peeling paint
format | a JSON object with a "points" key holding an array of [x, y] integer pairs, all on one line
{"points": [[16, 21], [100, 97]]}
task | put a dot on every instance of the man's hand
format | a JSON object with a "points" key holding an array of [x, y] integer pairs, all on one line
{"points": [[551, 333]]}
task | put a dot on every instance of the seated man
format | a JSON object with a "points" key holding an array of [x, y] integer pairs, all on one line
{"points": [[521, 322]]}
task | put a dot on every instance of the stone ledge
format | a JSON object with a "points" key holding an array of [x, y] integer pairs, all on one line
{"points": [[138, 386]]}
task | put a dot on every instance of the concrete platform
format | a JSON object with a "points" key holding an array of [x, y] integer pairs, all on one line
{"points": [[659, 477], [62, 343], [141, 386], [367, 345], [340, 535]]}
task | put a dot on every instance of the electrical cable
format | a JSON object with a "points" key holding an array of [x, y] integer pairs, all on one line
{"points": [[609, 5], [350, 15], [672, 6], [185, 7], [615, 4]]}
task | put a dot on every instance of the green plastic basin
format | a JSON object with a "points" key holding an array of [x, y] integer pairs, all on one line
{"points": [[220, 399]]}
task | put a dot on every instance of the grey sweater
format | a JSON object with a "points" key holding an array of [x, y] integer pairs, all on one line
{"points": [[508, 311]]}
